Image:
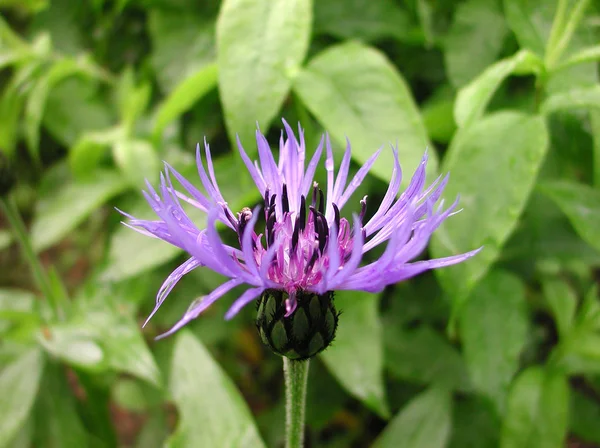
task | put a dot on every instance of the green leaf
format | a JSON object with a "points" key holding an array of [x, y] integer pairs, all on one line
{"points": [[75, 107], [212, 412], [584, 417], [538, 408], [589, 54], [530, 20], [474, 424], [183, 97], [493, 325], [59, 211], [57, 420], [362, 19], [183, 43], [36, 101], [475, 96], [19, 383], [562, 301], [583, 97], [138, 161], [425, 422], [260, 46], [356, 356], [595, 125], [132, 99], [102, 335], [581, 204], [493, 165], [424, 356], [86, 154], [355, 92], [563, 27], [474, 40]]}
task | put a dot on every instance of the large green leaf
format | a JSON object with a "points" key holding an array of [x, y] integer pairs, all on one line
{"points": [[493, 326], [538, 410], [211, 410], [475, 96], [59, 424], [493, 165], [356, 356], [355, 92], [530, 20], [362, 19], [183, 96], [474, 424], [584, 417], [260, 46], [424, 356], [19, 382], [562, 302], [595, 125], [474, 39], [581, 204], [60, 210], [183, 42], [102, 335], [582, 97], [137, 160], [425, 422]]}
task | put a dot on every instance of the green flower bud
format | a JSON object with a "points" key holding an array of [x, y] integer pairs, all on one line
{"points": [[7, 176], [308, 331]]}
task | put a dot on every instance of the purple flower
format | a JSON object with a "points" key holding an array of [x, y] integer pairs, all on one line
{"points": [[306, 247]]}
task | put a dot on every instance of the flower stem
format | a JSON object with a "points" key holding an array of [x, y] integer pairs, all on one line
{"points": [[296, 378], [39, 274]]}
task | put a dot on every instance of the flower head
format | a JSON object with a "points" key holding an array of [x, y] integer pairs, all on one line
{"points": [[306, 249]]}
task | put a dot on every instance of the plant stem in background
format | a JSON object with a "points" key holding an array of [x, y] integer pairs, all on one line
{"points": [[296, 378], [39, 274]]}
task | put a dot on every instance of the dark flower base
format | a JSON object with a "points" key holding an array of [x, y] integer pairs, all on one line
{"points": [[308, 331]]}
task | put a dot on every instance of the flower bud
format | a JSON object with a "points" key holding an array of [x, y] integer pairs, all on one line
{"points": [[7, 176], [309, 330]]}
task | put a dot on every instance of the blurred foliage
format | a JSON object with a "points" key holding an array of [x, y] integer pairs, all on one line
{"points": [[501, 351]]}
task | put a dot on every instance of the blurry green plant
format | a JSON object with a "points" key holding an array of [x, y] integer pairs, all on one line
{"points": [[505, 351]]}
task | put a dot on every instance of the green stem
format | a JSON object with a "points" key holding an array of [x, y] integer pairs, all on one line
{"points": [[39, 274], [296, 378]]}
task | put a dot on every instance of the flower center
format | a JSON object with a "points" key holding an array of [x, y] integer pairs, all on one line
{"points": [[297, 242]]}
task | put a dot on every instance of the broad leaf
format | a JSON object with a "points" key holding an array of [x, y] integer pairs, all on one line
{"points": [[425, 422], [584, 417], [562, 302], [475, 96], [583, 97], [19, 382], [183, 97], [581, 204], [183, 43], [424, 356], [474, 40], [356, 356], [59, 424], [212, 412], [61, 210], [138, 161], [355, 92], [362, 19], [493, 326], [260, 46], [493, 165], [538, 411], [531, 22]]}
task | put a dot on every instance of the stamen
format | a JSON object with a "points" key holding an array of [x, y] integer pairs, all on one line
{"points": [[296, 234], [302, 214], [363, 209], [315, 192], [321, 202], [336, 211], [285, 203], [229, 215], [243, 217]]}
